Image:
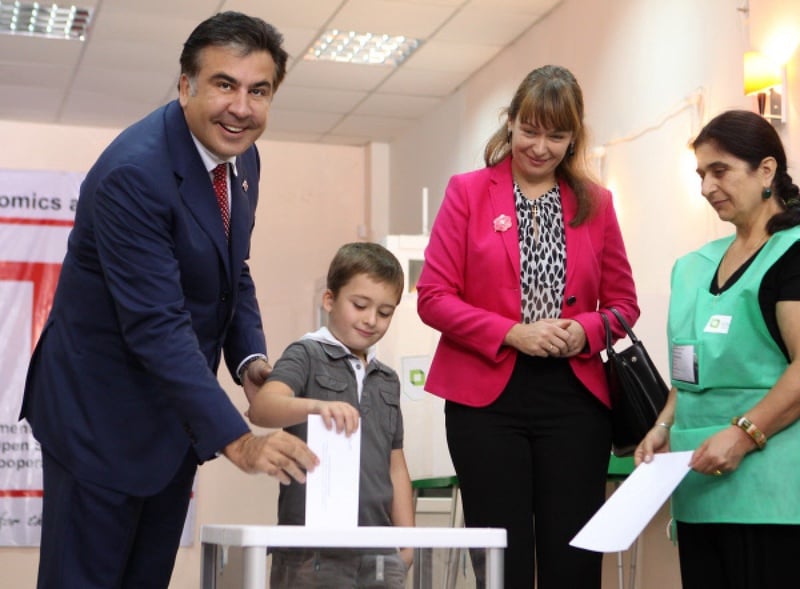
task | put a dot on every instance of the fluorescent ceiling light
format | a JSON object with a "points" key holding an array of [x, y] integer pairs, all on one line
{"points": [[362, 48], [35, 19]]}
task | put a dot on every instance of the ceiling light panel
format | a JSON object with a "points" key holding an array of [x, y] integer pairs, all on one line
{"points": [[362, 48], [35, 19]]}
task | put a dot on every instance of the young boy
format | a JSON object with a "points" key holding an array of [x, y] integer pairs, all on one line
{"points": [[333, 372]]}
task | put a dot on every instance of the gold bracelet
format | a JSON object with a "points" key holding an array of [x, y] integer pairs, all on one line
{"points": [[751, 430]]}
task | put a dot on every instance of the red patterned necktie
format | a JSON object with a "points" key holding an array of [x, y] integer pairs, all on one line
{"points": [[221, 190]]}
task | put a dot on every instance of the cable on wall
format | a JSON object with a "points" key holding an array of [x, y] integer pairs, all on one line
{"points": [[695, 102]]}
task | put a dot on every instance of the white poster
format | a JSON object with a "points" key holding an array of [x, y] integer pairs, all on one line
{"points": [[37, 209]]}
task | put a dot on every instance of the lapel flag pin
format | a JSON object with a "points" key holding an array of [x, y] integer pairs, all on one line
{"points": [[245, 185]]}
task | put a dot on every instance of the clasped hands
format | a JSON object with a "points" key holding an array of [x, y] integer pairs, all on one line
{"points": [[559, 338]]}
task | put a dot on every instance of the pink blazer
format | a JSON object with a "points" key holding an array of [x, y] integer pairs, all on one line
{"points": [[469, 288]]}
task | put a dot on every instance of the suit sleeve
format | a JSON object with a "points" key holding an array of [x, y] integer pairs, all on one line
{"points": [[132, 224]]}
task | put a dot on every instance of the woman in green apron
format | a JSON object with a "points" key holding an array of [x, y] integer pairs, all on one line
{"points": [[734, 336]]}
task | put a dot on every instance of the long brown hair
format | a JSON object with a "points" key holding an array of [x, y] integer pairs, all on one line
{"points": [[550, 97]]}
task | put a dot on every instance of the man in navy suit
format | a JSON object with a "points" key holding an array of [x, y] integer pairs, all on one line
{"points": [[122, 391]]}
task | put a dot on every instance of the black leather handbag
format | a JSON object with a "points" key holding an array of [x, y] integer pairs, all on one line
{"points": [[638, 393]]}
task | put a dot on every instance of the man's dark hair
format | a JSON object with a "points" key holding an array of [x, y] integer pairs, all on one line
{"points": [[240, 31]]}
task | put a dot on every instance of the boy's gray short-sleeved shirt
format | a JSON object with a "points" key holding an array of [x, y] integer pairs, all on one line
{"points": [[321, 370]]}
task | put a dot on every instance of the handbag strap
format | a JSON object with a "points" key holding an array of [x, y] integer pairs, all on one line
{"points": [[625, 325], [609, 347]]}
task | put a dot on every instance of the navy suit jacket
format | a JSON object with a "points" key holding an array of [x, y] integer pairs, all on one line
{"points": [[122, 382]]}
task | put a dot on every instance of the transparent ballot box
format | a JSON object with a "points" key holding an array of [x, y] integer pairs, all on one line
{"points": [[254, 542]]}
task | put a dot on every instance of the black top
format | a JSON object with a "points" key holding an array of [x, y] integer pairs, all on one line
{"points": [[781, 283]]}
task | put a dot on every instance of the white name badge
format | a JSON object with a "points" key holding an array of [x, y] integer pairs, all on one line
{"points": [[718, 324]]}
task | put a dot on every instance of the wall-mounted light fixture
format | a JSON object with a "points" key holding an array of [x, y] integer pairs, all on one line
{"points": [[761, 77]]}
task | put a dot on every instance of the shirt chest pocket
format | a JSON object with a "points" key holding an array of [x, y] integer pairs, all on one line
{"points": [[388, 407], [329, 388]]}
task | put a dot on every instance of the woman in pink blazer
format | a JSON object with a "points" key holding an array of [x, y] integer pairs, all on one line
{"points": [[522, 255]]}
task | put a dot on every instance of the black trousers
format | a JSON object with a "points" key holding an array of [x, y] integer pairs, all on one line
{"points": [[738, 556], [97, 538], [535, 463]]}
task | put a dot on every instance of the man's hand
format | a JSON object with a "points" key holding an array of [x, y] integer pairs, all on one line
{"points": [[254, 376], [278, 454]]}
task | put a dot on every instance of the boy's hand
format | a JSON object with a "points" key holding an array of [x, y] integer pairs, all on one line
{"points": [[344, 415]]}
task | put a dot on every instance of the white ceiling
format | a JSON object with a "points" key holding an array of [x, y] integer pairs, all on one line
{"points": [[129, 63]]}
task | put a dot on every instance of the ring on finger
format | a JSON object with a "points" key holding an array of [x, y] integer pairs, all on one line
{"points": [[717, 473]]}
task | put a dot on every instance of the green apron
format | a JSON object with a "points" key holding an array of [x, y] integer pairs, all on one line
{"points": [[723, 360]]}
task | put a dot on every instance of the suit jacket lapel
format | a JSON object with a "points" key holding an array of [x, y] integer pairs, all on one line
{"points": [[194, 181], [501, 193], [575, 238], [240, 211], [501, 190]]}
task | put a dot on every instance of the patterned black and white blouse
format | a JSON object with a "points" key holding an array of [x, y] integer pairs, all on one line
{"points": [[542, 254]]}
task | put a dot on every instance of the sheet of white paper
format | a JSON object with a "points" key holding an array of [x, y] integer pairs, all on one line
{"points": [[332, 487], [629, 509]]}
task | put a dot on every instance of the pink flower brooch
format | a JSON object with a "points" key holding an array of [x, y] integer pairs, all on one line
{"points": [[502, 223]]}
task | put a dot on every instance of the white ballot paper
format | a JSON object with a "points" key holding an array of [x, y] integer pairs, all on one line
{"points": [[332, 487], [629, 509]]}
